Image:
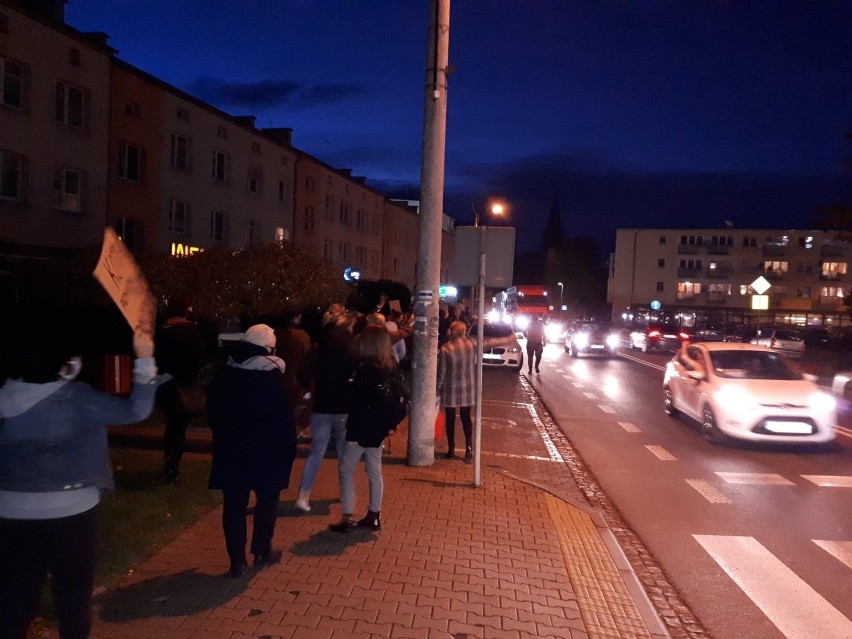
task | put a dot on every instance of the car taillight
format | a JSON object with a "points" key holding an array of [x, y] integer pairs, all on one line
{"points": [[683, 336], [654, 334]]}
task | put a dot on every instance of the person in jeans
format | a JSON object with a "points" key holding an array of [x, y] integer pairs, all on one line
{"points": [[329, 367], [377, 387], [254, 444], [54, 463]]}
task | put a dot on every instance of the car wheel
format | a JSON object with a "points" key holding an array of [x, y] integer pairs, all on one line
{"points": [[668, 402], [709, 429]]}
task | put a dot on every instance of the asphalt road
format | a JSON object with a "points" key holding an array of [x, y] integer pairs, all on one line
{"points": [[757, 540]]}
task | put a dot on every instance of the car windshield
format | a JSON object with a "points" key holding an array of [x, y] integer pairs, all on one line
{"points": [[592, 326], [494, 330], [751, 365]]}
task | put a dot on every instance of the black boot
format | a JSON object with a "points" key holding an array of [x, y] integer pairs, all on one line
{"points": [[267, 558], [468, 454], [344, 525], [373, 520]]}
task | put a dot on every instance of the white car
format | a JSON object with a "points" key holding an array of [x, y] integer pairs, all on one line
{"points": [[747, 392]]}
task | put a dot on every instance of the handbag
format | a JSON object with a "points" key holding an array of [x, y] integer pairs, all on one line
{"points": [[192, 398]]}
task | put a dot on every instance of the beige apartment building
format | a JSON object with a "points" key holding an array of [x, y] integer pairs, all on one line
{"points": [[54, 127], [89, 141], [701, 276]]}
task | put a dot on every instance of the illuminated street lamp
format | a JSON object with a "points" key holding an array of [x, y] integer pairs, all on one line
{"points": [[561, 287], [494, 209]]}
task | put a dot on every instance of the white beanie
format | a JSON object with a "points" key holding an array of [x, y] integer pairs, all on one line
{"points": [[261, 335]]}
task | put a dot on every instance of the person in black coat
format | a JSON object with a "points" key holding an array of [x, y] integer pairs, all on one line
{"points": [[379, 396], [254, 444]]}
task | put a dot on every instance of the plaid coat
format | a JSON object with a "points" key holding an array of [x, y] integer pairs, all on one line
{"points": [[457, 372]]}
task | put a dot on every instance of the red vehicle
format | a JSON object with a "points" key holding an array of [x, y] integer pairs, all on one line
{"points": [[525, 301]]}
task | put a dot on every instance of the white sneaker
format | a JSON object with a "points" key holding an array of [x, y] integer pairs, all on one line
{"points": [[303, 505]]}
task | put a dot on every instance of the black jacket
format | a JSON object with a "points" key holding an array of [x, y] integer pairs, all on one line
{"points": [[371, 416]]}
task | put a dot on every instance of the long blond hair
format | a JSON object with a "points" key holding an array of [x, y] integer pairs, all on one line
{"points": [[374, 346]]}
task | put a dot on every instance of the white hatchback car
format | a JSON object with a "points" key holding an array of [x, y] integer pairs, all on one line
{"points": [[747, 392], [784, 340]]}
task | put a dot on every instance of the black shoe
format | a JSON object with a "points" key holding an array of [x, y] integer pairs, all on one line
{"points": [[238, 571], [536, 370], [468, 456], [529, 371], [267, 559], [451, 454], [373, 521], [344, 525]]}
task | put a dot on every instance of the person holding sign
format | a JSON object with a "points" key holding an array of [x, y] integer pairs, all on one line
{"points": [[54, 463]]}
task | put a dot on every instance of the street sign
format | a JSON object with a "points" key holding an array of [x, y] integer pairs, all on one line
{"points": [[761, 285]]}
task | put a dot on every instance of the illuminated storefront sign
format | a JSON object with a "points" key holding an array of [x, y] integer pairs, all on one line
{"points": [[179, 250]]}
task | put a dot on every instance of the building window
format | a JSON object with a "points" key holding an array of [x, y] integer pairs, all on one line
{"points": [[344, 252], [280, 235], [255, 180], [255, 146], [806, 242], [252, 232], [178, 216], [688, 290], [179, 152], [719, 289], [360, 256], [68, 188], [12, 85], [833, 270], [661, 263], [329, 206], [128, 230], [282, 190], [222, 132], [74, 57], [343, 216], [327, 249], [69, 104], [722, 240], [662, 239], [803, 291], [374, 260], [832, 291], [749, 241], [11, 176], [377, 223], [219, 226], [659, 287], [130, 162], [4, 23], [309, 184], [308, 219], [361, 218], [221, 166], [182, 114], [133, 109], [775, 267]]}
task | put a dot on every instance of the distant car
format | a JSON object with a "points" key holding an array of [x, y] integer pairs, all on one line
{"points": [[747, 392], [508, 354], [663, 337], [708, 334], [591, 338], [783, 340], [742, 333]]}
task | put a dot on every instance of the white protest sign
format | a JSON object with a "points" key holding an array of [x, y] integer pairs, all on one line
{"points": [[123, 280]]}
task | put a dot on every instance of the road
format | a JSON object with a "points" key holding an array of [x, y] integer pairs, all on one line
{"points": [[757, 541]]}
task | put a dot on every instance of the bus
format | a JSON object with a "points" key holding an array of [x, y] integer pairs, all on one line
{"points": [[523, 302]]}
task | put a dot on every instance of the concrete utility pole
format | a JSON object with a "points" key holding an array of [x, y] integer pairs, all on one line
{"points": [[421, 433]]}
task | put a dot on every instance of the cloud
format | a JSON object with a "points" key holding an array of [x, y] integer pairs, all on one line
{"points": [[270, 93]]}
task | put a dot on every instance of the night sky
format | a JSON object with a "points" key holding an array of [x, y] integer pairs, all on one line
{"points": [[643, 113]]}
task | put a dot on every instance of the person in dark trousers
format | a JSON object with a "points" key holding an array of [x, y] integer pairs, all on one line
{"points": [[534, 333], [254, 444], [378, 388], [457, 385], [54, 463], [180, 353]]}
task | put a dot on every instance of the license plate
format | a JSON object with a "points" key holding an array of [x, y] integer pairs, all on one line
{"points": [[492, 358], [789, 428], [598, 347]]}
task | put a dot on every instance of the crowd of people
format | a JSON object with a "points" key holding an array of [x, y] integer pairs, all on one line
{"points": [[344, 381]]}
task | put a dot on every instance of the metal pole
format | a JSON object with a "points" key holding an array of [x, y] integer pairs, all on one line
{"points": [[421, 433], [480, 324]]}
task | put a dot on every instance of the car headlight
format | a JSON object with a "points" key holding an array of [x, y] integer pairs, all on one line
{"points": [[612, 341], [513, 349], [734, 398], [822, 403], [552, 332], [581, 340], [522, 322]]}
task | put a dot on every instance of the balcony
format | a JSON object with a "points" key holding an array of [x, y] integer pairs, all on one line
{"points": [[717, 298], [718, 249], [830, 300], [719, 273], [835, 250], [774, 275], [834, 277], [689, 249], [688, 272], [686, 297], [774, 250]]}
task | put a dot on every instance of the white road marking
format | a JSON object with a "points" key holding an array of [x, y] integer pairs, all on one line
{"points": [[708, 491], [841, 550], [530, 457], [792, 605], [833, 481], [542, 431], [567, 378], [661, 453], [763, 479], [577, 385], [630, 428], [842, 430], [590, 395], [606, 409]]}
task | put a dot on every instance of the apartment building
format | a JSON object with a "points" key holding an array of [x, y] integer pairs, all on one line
{"points": [[54, 127], [706, 276], [89, 141]]}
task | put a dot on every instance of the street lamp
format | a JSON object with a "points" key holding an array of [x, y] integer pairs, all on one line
{"points": [[561, 287], [494, 209]]}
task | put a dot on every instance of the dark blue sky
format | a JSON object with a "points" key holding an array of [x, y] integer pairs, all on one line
{"points": [[642, 113]]}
